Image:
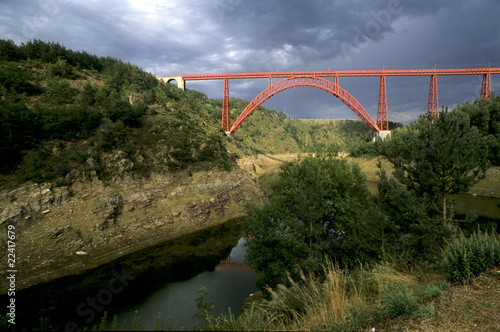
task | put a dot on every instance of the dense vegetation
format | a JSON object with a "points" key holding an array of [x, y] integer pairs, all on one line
{"points": [[319, 207], [314, 208], [65, 114], [319, 212], [441, 157]]}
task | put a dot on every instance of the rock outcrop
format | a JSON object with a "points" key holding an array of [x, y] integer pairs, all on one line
{"points": [[67, 230]]}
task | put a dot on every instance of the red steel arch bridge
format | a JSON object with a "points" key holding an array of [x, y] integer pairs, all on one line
{"points": [[316, 79]]}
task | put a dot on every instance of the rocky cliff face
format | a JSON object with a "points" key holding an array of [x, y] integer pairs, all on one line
{"points": [[66, 230]]}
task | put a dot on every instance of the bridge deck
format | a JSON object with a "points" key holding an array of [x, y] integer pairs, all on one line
{"points": [[344, 73]]}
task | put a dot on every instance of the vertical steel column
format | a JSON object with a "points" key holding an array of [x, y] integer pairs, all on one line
{"points": [[382, 120], [432, 103], [336, 84], [226, 117], [486, 86]]}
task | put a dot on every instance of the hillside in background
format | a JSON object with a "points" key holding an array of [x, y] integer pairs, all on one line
{"points": [[66, 114]]}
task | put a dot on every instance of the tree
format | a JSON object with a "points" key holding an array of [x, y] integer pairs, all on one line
{"points": [[442, 157], [315, 204], [9, 51], [17, 80], [485, 115], [59, 92], [406, 223]]}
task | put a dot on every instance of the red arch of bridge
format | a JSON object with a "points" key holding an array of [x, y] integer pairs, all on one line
{"points": [[307, 81]]}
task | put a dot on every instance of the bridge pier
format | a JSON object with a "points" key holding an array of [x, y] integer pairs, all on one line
{"points": [[181, 83], [230, 134], [381, 134]]}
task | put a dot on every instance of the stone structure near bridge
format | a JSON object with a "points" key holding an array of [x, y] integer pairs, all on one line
{"points": [[181, 83]]}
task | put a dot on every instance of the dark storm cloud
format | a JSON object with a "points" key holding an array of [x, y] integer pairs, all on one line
{"points": [[308, 32], [236, 35]]}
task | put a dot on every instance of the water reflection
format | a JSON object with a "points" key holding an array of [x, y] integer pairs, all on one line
{"points": [[228, 285]]}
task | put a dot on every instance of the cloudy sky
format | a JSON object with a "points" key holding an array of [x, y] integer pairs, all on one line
{"points": [[170, 37]]}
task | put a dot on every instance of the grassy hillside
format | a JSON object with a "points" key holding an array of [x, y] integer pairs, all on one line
{"points": [[269, 131]]}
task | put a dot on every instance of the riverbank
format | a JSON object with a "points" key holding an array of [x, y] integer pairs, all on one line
{"points": [[62, 231]]}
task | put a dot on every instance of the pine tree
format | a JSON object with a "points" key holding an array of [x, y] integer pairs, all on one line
{"points": [[441, 158]]}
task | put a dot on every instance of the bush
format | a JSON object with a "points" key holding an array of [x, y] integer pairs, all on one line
{"points": [[16, 80], [61, 69], [121, 109], [19, 130], [59, 92], [109, 135], [363, 148], [430, 291], [315, 209], [66, 122], [32, 165], [463, 257], [398, 301]]}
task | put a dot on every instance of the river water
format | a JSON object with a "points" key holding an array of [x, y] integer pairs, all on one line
{"points": [[228, 285]]}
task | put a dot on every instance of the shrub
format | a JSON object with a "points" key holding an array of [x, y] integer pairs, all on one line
{"points": [[398, 301], [32, 165], [61, 69], [362, 148], [109, 135], [121, 109], [19, 130], [66, 122], [429, 291], [463, 257], [59, 92], [16, 80], [310, 214]]}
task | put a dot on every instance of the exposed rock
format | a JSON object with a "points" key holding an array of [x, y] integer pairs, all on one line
{"points": [[140, 199], [111, 208], [30, 199], [118, 162], [11, 212]]}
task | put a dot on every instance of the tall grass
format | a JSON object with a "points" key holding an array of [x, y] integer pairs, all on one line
{"points": [[311, 305], [341, 301]]}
